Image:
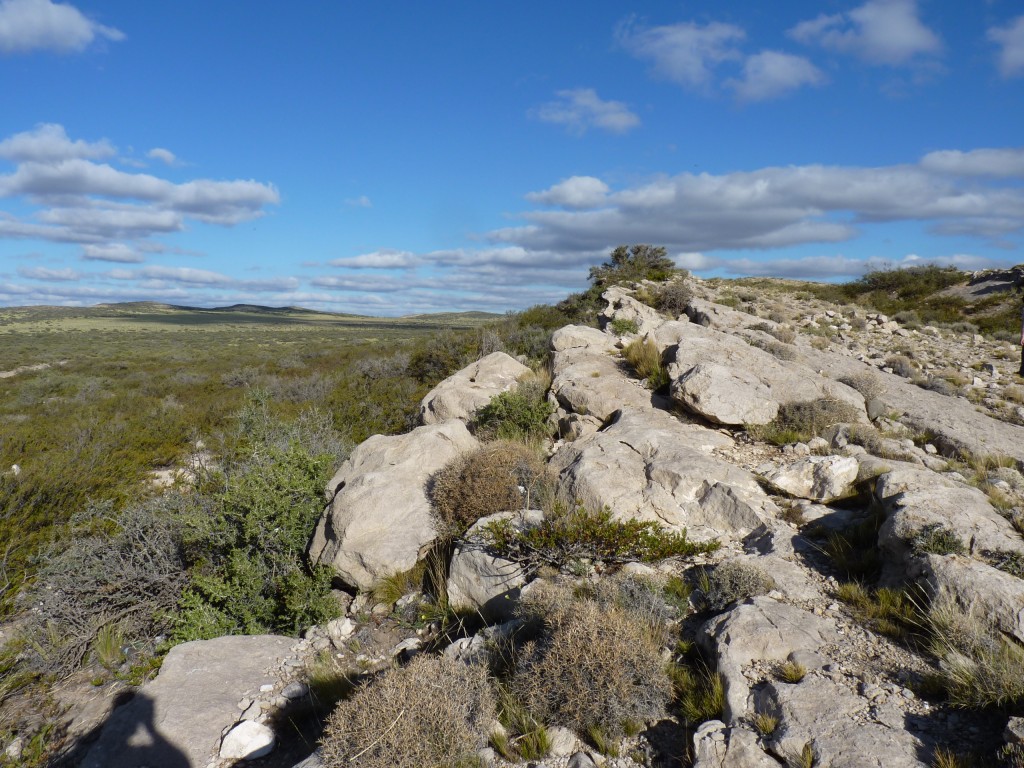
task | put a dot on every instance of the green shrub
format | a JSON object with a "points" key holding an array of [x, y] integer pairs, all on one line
{"points": [[890, 612], [622, 326], [488, 480], [433, 712], [734, 580], [519, 414], [566, 536], [799, 422], [644, 356], [698, 691], [936, 539], [590, 668], [632, 264], [909, 283]]}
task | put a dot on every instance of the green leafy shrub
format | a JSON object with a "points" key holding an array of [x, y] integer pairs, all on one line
{"points": [[622, 326], [519, 414], [937, 539], [734, 580], [632, 264], [590, 667], [433, 712], [488, 480], [644, 356], [566, 536]]}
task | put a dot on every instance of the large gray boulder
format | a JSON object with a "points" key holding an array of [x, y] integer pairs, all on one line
{"points": [[817, 478], [461, 394], [914, 499], [177, 720], [589, 378], [845, 729], [379, 518], [976, 586], [722, 378], [647, 465], [761, 629], [482, 582], [622, 306]]}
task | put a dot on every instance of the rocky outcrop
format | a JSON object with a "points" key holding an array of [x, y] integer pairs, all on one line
{"points": [[461, 394], [379, 517], [725, 380], [993, 594], [178, 720], [624, 308], [648, 465], [816, 478]]}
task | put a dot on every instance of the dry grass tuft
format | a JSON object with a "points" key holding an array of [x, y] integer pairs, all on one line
{"points": [[432, 712]]}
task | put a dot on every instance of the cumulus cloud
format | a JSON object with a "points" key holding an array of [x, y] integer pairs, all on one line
{"points": [[995, 163], [580, 109], [42, 25], [574, 192], [771, 74], [81, 200], [160, 275], [163, 155], [1010, 40], [115, 252], [386, 258], [48, 143], [881, 32], [685, 53]]}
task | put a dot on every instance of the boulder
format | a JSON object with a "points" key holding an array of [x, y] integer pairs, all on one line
{"points": [[759, 629], [178, 719], [845, 729], [461, 394], [718, 746], [647, 465], [914, 499], [622, 306], [735, 381], [978, 586], [817, 478], [480, 581], [379, 518]]}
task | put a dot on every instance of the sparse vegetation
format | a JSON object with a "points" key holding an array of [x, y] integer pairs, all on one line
{"points": [[644, 356], [887, 611], [731, 581], [673, 298], [792, 672], [799, 422], [623, 327], [519, 414], [936, 539]]}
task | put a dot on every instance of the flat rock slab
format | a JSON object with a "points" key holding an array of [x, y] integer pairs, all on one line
{"points": [[177, 720]]}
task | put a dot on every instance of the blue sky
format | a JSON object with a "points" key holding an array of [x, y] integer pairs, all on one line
{"points": [[409, 157]]}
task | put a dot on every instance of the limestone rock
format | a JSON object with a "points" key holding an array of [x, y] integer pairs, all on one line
{"points": [[177, 720], [759, 629], [725, 395], [622, 306], [972, 584], [817, 478], [647, 465], [380, 517], [247, 741], [480, 581], [461, 394], [817, 711]]}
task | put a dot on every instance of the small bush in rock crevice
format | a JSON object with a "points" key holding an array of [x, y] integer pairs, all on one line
{"points": [[645, 358], [434, 712], [799, 422], [498, 477], [936, 539], [519, 414], [673, 298], [590, 667], [868, 384], [733, 580]]}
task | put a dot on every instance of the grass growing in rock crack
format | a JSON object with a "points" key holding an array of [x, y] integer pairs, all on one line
{"points": [[799, 422], [792, 672], [699, 692], [889, 612], [644, 356], [937, 539], [765, 724]]}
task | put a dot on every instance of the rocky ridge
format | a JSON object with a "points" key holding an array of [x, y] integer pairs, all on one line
{"points": [[685, 461]]}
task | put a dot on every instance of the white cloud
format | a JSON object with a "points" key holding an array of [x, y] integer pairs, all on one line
{"points": [[581, 109], [48, 143], [49, 275], [882, 32], [770, 74], [30, 25], [156, 276], [163, 155], [1011, 41], [574, 192], [386, 258], [116, 252], [685, 53], [996, 163], [359, 202]]}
